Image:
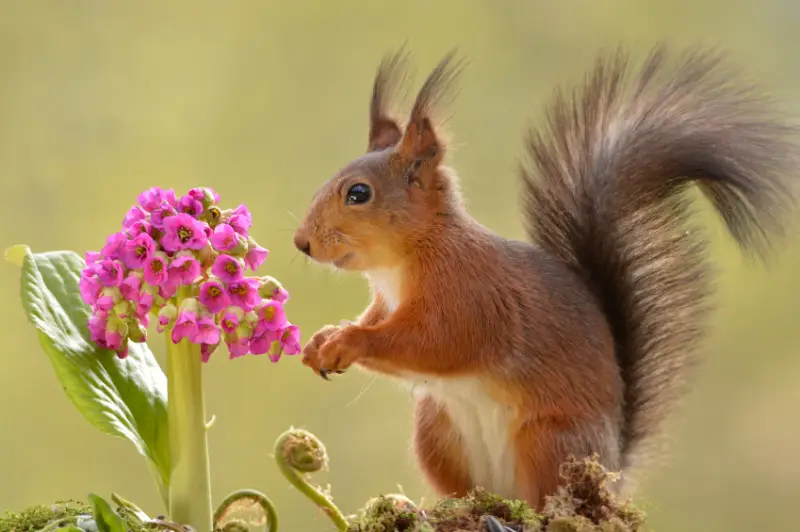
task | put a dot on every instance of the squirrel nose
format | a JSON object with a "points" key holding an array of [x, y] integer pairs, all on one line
{"points": [[302, 243]]}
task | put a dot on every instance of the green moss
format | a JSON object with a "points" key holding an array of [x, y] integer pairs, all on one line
{"points": [[387, 513], [583, 504], [395, 513], [586, 495], [37, 517]]}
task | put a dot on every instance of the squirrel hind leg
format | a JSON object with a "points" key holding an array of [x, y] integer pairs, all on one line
{"points": [[544, 444], [439, 450]]}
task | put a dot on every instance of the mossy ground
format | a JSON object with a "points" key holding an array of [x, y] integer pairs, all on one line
{"points": [[584, 504], [60, 513], [38, 517]]}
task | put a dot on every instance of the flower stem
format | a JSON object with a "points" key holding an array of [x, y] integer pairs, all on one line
{"points": [[298, 451], [190, 483]]}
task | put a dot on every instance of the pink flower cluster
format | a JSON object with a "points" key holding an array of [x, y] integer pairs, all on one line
{"points": [[183, 262]]}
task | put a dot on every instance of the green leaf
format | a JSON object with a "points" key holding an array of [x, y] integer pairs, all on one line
{"points": [[124, 398], [106, 518], [137, 514]]}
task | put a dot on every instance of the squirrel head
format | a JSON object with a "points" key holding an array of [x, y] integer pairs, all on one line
{"points": [[367, 214]]}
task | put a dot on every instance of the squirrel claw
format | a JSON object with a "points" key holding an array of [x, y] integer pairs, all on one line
{"points": [[325, 372]]}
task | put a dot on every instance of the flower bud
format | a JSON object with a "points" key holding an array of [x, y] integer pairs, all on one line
{"points": [[167, 315], [123, 309], [250, 318], [268, 287], [136, 331], [189, 304], [239, 250], [206, 350], [212, 216], [209, 198], [116, 325], [109, 296], [275, 351]]}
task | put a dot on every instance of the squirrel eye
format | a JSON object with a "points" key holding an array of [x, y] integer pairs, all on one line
{"points": [[358, 193]]}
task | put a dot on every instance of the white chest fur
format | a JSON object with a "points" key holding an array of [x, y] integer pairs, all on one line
{"points": [[484, 423], [388, 283]]}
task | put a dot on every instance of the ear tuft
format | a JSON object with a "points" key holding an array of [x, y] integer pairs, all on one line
{"points": [[391, 78], [420, 139]]}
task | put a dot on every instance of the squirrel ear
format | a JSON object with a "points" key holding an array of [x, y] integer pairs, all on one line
{"points": [[390, 78], [420, 142]]}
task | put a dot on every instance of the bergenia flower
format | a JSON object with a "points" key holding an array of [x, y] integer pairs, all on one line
{"points": [[152, 198], [183, 261], [90, 286], [134, 215], [240, 220], [224, 238], [131, 286], [114, 246], [185, 325], [230, 320], [184, 268], [183, 232], [92, 256], [290, 341], [191, 206], [244, 293], [137, 250], [110, 272], [155, 268], [239, 348], [256, 255], [271, 316], [207, 331], [280, 294], [166, 316], [228, 268], [108, 298], [206, 196], [159, 215], [206, 350], [262, 341], [270, 288], [214, 296]]}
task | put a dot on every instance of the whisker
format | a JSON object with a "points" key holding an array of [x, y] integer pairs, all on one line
{"points": [[292, 215], [364, 390]]}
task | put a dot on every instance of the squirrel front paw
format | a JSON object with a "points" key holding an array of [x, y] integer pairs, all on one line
{"points": [[332, 350], [311, 349]]}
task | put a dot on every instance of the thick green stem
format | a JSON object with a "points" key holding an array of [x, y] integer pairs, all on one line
{"points": [[190, 483], [298, 451]]}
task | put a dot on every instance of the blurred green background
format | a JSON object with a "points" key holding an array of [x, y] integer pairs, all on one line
{"points": [[263, 101]]}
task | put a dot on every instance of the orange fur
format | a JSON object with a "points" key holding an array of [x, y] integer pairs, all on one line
{"points": [[439, 448], [520, 354]]}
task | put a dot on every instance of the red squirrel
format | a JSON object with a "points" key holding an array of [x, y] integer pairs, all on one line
{"points": [[521, 354]]}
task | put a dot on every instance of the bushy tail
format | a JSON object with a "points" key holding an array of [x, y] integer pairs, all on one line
{"points": [[605, 193]]}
